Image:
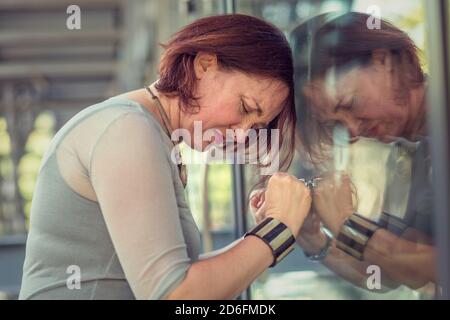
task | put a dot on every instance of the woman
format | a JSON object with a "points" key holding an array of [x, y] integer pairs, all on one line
{"points": [[371, 82], [109, 219]]}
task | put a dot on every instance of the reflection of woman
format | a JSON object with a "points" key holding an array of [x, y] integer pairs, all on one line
{"points": [[109, 202], [371, 82]]}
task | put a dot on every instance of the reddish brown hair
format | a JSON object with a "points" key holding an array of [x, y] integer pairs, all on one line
{"points": [[342, 41], [241, 43]]}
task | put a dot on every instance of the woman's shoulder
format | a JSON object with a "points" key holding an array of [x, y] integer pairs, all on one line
{"points": [[120, 116], [132, 116], [94, 120], [112, 117], [113, 109]]}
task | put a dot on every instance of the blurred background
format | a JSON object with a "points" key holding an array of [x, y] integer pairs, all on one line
{"points": [[49, 73]]}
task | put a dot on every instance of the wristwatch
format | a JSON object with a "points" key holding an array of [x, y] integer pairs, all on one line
{"points": [[321, 255]]}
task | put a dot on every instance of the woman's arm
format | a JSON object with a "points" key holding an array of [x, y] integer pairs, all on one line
{"points": [[214, 253], [408, 262], [132, 177], [226, 275], [312, 239]]}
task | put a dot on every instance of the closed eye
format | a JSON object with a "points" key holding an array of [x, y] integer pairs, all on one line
{"points": [[345, 105], [244, 108]]}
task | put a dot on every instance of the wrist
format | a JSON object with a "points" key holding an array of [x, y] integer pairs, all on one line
{"points": [[319, 250], [276, 235], [312, 243], [294, 226], [355, 234], [336, 228]]}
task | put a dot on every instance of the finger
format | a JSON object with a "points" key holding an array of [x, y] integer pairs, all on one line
{"points": [[256, 195], [259, 204], [262, 198], [254, 202]]}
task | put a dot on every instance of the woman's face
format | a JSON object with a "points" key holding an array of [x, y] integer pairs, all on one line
{"points": [[232, 100], [362, 99]]}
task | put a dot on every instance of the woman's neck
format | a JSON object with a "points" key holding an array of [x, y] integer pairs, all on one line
{"points": [[169, 105]]}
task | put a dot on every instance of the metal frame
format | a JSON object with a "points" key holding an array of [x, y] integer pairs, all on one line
{"points": [[229, 6], [439, 120], [240, 220]]}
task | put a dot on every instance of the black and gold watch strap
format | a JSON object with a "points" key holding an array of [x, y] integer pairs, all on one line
{"points": [[355, 234], [276, 235]]}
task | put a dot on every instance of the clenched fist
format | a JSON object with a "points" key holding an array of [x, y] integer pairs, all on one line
{"points": [[332, 201], [286, 199]]}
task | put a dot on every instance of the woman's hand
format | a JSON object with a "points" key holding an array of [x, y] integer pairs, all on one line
{"points": [[286, 199], [311, 239], [257, 199], [332, 201]]}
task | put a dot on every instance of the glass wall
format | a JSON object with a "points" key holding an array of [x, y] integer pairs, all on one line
{"points": [[386, 160]]}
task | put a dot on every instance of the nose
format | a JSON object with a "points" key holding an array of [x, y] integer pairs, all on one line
{"points": [[241, 131]]}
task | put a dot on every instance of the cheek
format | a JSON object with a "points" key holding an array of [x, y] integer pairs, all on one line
{"points": [[227, 117], [375, 103], [218, 116]]}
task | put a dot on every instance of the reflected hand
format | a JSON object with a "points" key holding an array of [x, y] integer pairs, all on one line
{"points": [[332, 201]]}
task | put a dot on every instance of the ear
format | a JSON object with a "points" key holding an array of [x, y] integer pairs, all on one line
{"points": [[382, 58], [203, 63]]}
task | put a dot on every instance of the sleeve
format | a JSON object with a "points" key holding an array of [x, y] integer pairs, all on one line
{"points": [[132, 178], [215, 253]]}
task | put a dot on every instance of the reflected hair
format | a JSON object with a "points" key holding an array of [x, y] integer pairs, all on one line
{"points": [[343, 41]]}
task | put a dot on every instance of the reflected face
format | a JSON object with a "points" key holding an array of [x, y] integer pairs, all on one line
{"points": [[234, 100], [362, 99]]}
